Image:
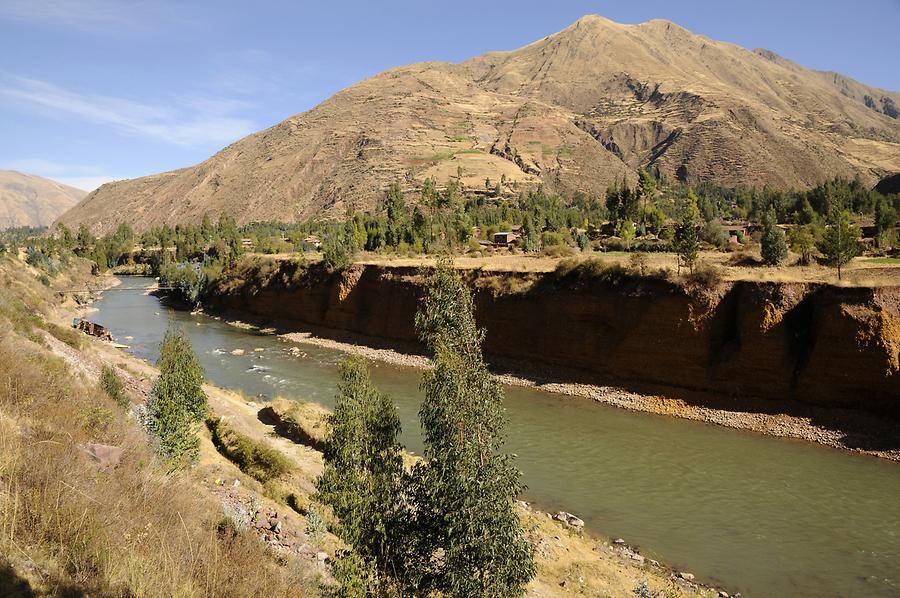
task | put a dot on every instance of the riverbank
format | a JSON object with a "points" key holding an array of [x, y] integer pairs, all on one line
{"points": [[790, 344], [842, 429]]}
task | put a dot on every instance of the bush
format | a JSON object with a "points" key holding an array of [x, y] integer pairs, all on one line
{"points": [[638, 263], [254, 458], [557, 251], [112, 385], [715, 234], [70, 336], [707, 276], [774, 248], [591, 269]]}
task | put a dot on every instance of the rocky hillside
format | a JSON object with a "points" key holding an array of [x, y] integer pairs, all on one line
{"points": [[574, 111], [28, 200]]}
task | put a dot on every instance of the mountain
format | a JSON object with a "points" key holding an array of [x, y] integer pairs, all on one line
{"points": [[574, 111], [28, 200]]}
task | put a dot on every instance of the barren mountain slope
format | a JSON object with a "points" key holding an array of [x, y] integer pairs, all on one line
{"points": [[574, 111], [693, 108], [28, 200]]}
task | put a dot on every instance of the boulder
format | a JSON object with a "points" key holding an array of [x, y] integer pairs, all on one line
{"points": [[104, 454]]}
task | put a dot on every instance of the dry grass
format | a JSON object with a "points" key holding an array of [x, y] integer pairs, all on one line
{"points": [[734, 266]]}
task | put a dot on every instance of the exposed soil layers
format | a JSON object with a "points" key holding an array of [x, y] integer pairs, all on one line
{"points": [[792, 343]]}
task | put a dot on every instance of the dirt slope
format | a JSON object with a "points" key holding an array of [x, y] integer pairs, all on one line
{"points": [[574, 111], [28, 200]]}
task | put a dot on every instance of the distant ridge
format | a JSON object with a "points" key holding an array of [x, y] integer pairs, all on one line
{"points": [[29, 200], [573, 111]]}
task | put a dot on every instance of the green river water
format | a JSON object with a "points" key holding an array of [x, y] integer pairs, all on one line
{"points": [[759, 515]]}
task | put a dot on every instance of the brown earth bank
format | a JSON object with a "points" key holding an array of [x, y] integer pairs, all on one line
{"points": [[792, 344]]}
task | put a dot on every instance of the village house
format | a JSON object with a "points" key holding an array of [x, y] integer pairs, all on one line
{"points": [[313, 241], [504, 239]]}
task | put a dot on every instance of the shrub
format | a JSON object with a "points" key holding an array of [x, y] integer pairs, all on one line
{"points": [[557, 251], [774, 248], [638, 263], [551, 239], [112, 385], [591, 269], [256, 459], [715, 234], [707, 276], [70, 336]]}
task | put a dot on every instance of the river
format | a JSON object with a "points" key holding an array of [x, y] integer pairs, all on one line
{"points": [[760, 515]]}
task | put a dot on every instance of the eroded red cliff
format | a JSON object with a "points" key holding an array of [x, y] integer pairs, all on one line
{"points": [[813, 343]]}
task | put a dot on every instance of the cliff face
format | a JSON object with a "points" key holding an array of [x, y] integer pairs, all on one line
{"points": [[813, 343]]}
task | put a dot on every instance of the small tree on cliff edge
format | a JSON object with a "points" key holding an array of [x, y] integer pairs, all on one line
{"points": [[470, 541], [177, 401], [362, 477], [687, 242], [774, 248], [840, 242]]}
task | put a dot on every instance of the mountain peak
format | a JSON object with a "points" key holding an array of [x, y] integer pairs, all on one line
{"points": [[574, 111]]}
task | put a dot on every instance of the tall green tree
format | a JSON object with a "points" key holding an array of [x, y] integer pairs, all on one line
{"points": [[840, 241], [339, 247], [177, 401], [687, 242], [803, 241], [397, 218], [363, 473], [469, 539], [774, 247]]}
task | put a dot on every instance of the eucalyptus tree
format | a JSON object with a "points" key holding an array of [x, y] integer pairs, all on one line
{"points": [[469, 540]]}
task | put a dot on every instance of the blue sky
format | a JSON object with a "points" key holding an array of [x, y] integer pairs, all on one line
{"points": [[96, 90]]}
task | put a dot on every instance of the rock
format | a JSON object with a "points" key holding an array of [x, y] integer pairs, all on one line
{"points": [[619, 541], [654, 563], [236, 483], [723, 594], [258, 349], [277, 528], [686, 576], [237, 351], [561, 516], [637, 558], [104, 454], [321, 556], [575, 521]]}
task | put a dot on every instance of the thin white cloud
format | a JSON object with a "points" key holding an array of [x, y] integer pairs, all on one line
{"points": [[79, 14], [192, 122]]}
